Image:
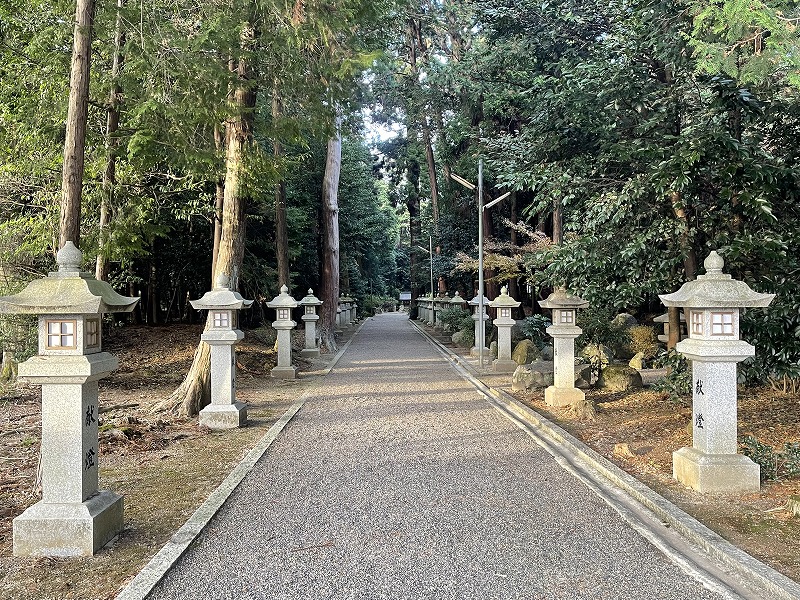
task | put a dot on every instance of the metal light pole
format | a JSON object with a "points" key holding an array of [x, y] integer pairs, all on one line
{"points": [[480, 344]]}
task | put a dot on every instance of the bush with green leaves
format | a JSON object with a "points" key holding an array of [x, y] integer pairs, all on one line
{"points": [[456, 319], [678, 381], [774, 465], [598, 327], [534, 328], [642, 338]]}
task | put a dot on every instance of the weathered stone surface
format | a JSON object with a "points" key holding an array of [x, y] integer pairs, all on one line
{"points": [[458, 339], [493, 349], [637, 362], [535, 375], [525, 353], [547, 352], [624, 320], [583, 376], [618, 378]]}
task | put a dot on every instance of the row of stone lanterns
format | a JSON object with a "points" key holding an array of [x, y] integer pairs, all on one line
{"points": [[74, 517]]}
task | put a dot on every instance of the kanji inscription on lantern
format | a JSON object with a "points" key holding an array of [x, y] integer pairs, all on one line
{"points": [[698, 388], [698, 420], [90, 418], [88, 462]]}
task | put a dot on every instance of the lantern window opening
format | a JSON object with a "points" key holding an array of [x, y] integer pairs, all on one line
{"points": [[697, 322], [566, 317], [505, 312], [310, 310], [283, 314], [92, 332], [61, 335], [222, 318], [722, 323]]}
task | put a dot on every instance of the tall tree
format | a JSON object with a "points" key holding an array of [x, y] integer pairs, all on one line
{"points": [[330, 233], [74, 143]]}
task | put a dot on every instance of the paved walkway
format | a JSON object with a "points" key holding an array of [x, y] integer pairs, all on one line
{"points": [[400, 481]]}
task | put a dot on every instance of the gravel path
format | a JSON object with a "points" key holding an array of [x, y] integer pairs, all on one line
{"points": [[400, 481]]}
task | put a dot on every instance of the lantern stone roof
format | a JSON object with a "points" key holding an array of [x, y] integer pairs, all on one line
{"points": [[310, 299], [476, 300], [715, 289], [221, 297], [68, 291], [283, 300], [560, 299], [504, 300], [665, 318], [457, 299]]}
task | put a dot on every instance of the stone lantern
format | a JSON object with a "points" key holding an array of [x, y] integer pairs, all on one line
{"points": [[283, 304], [664, 319], [442, 303], [563, 331], [73, 518], [221, 335], [480, 344], [430, 312], [503, 321], [310, 317], [457, 301], [712, 303]]}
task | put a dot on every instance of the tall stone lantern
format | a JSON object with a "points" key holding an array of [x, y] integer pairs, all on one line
{"points": [[73, 518], [564, 331], [222, 305], [480, 343], [283, 304], [712, 303], [504, 303], [310, 318]]}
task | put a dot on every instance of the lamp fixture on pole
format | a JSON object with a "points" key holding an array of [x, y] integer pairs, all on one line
{"points": [[471, 186]]}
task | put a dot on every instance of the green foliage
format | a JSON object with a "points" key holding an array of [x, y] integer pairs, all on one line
{"points": [[678, 380], [774, 465], [598, 327], [534, 327], [456, 319], [372, 304]]}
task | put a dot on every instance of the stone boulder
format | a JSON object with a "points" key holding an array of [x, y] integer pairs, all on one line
{"points": [[583, 376], [619, 378], [547, 352], [624, 320], [637, 362], [525, 353], [493, 349], [538, 374], [458, 339]]}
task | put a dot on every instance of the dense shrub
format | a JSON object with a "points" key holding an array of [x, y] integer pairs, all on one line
{"points": [[534, 327]]}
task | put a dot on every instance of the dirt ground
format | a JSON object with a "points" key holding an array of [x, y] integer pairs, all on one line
{"points": [[164, 466], [148, 456]]}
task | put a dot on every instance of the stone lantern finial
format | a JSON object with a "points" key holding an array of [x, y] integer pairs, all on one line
{"points": [[222, 281], [713, 263], [69, 258]]}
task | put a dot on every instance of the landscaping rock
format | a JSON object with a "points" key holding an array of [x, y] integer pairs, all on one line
{"points": [[637, 362], [493, 349], [624, 320], [619, 378], [535, 375], [525, 353], [547, 352], [458, 339], [583, 376]]}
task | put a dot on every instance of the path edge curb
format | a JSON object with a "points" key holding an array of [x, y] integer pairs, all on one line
{"points": [[760, 576], [149, 576]]}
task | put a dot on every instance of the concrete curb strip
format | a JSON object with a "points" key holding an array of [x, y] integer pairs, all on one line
{"points": [[763, 578], [141, 585]]}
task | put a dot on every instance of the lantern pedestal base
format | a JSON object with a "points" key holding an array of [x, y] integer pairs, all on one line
{"points": [[504, 366], [69, 529], [555, 396], [718, 473], [224, 416], [310, 352], [284, 372]]}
